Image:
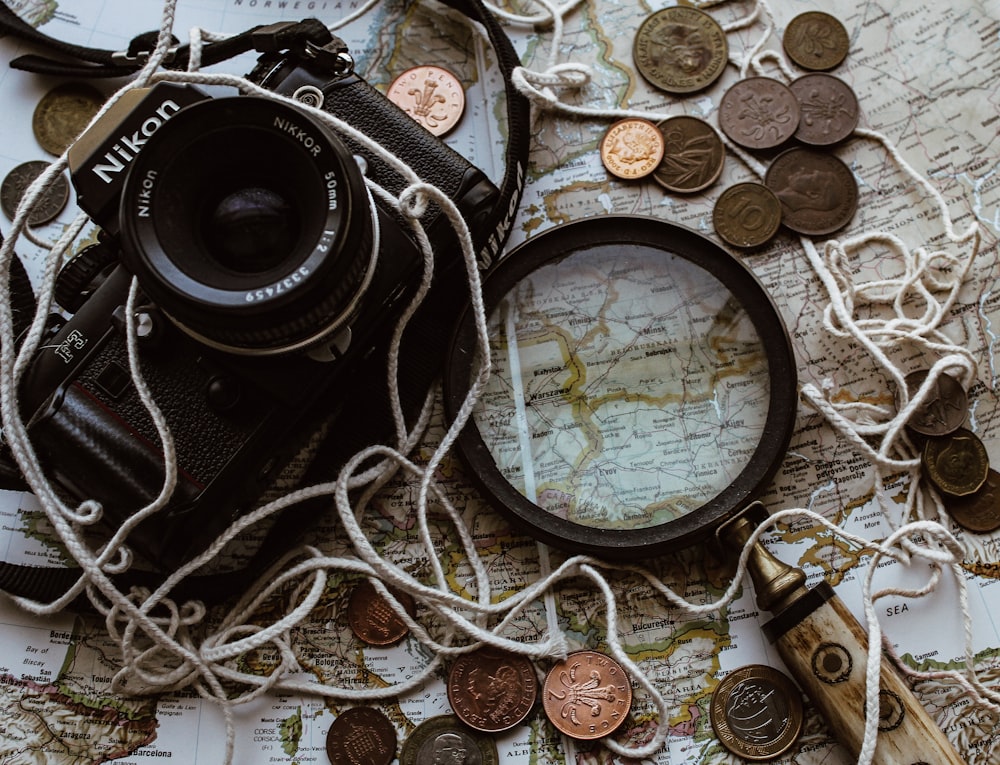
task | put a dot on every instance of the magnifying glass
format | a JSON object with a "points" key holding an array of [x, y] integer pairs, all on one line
{"points": [[642, 388]]}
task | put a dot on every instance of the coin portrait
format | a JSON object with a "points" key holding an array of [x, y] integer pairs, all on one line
{"points": [[680, 49], [492, 690], [632, 148], [818, 192], [443, 740]]}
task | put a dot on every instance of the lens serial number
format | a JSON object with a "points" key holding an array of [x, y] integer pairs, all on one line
{"points": [[278, 288]]}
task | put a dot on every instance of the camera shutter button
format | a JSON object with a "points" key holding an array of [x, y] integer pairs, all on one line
{"points": [[223, 393]]}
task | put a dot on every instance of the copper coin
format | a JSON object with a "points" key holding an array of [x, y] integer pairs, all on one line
{"points": [[632, 148], [945, 408], [49, 204], [816, 41], [63, 113], [361, 736], [759, 113], [957, 464], [693, 155], [817, 191], [587, 695], [444, 739], [492, 690], [828, 109], [979, 512], [756, 712], [747, 215], [680, 49], [372, 618], [433, 96]]}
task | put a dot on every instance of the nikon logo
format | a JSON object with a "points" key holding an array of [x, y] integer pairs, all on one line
{"points": [[127, 146]]}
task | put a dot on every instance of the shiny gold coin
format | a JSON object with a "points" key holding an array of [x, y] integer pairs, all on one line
{"points": [[957, 464], [816, 41], [444, 739], [371, 617], [63, 113], [756, 712], [433, 96], [693, 155], [48, 206], [680, 49], [747, 215], [492, 690], [632, 148], [588, 695], [979, 512]]}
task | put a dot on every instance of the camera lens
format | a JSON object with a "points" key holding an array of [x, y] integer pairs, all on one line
{"points": [[248, 223]]}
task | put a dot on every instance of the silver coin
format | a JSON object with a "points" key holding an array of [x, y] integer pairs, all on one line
{"points": [[49, 204]]}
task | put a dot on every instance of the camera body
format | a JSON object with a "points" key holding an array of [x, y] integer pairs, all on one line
{"points": [[268, 278]]}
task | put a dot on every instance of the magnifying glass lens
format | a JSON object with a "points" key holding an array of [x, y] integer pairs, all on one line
{"points": [[629, 387]]}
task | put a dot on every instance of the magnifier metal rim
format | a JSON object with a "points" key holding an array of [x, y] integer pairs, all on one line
{"points": [[563, 241]]}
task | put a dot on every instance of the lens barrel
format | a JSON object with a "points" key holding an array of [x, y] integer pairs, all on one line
{"points": [[248, 222]]}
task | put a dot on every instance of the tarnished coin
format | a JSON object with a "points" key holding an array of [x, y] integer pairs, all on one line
{"points": [[63, 113], [632, 148], [957, 464], [747, 215], [979, 512], [816, 41], [693, 155], [759, 113], [828, 109], [945, 408], [445, 739], [361, 736], [433, 96], [756, 712], [49, 205], [492, 690], [680, 49], [587, 695], [817, 191], [372, 618]]}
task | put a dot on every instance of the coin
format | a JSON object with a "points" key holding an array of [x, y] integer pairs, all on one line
{"points": [[632, 148], [49, 204], [817, 191], [680, 49], [944, 409], [747, 215], [759, 113], [979, 512], [372, 618], [587, 695], [361, 736], [444, 739], [492, 690], [63, 113], [957, 464], [756, 712], [816, 41], [828, 109], [693, 155], [432, 95]]}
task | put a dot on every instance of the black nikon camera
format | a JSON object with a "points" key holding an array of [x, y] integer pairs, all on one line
{"points": [[268, 278]]}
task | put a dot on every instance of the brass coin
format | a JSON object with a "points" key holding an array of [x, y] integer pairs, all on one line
{"points": [[63, 113], [587, 695], [759, 113], [747, 215], [756, 712], [372, 618], [817, 191], [945, 408], [979, 512], [957, 464], [828, 109], [492, 690], [361, 735], [432, 95], [632, 148], [444, 739], [680, 49], [49, 204], [693, 155], [816, 41]]}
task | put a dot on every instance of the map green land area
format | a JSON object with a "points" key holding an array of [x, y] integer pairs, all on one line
{"points": [[927, 76]]}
